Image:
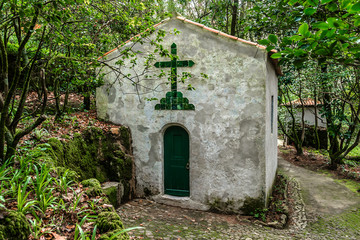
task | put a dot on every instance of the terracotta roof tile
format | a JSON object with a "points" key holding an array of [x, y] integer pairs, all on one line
{"points": [[181, 18], [189, 21], [307, 102], [228, 36], [156, 25], [211, 29]]}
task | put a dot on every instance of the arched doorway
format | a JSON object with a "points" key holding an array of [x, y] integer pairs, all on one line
{"points": [[176, 161]]}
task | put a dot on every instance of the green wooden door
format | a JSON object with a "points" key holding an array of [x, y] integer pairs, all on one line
{"points": [[176, 161]]}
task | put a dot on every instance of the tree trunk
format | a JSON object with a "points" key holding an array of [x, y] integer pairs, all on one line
{"points": [[299, 149], [234, 17], [57, 98], [316, 121], [333, 135]]}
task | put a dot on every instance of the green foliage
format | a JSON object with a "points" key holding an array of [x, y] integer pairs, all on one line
{"points": [[2, 200], [35, 186], [23, 204], [64, 181], [42, 181], [46, 200], [55, 46], [318, 49], [325, 38], [355, 152], [36, 228], [79, 232], [260, 213]]}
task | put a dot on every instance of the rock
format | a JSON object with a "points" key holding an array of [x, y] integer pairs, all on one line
{"points": [[109, 223], [106, 156], [114, 191], [94, 187], [283, 219], [312, 156], [14, 225]]}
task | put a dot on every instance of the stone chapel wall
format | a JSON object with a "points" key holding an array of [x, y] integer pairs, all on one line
{"points": [[226, 129]]}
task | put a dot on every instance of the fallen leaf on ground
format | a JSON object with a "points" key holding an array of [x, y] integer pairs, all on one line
{"points": [[58, 237]]}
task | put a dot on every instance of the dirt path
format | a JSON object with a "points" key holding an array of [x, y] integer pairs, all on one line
{"points": [[339, 208]]}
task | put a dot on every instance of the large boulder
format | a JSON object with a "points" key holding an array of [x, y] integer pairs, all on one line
{"points": [[106, 156]]}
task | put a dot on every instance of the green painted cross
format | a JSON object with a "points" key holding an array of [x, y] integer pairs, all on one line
{"points": [[174, 100], [174, 64]]}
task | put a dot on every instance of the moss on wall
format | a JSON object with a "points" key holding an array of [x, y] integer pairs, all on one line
{"points": [[112, 195], [92, 154], [252, 204], [14, 226], [95, 154], [125, 137]]}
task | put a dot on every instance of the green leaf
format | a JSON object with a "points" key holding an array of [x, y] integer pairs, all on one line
{"points": [[321, 25], [355, 8], [345, 46], [264, 42], [330, 33], [322, 51], [318, 34], [299, 52], [345, 4], [314, 45], [323, 34], [313, 3], [286, 41], [332, 46], [276, 55], [357, 22], [332, 22], [355, 50], [310, 11], [292, 2], [325, 1], [304, 29], [269, 48], [273, 38], [332, 7], [296, 38]]}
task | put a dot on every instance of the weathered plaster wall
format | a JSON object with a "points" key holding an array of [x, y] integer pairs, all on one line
{"points": [[227, 129], [309, 116], [271, 131]]}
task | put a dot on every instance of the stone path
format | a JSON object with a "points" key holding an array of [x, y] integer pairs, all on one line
{"points": [[338, 207], [321, 194]]}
